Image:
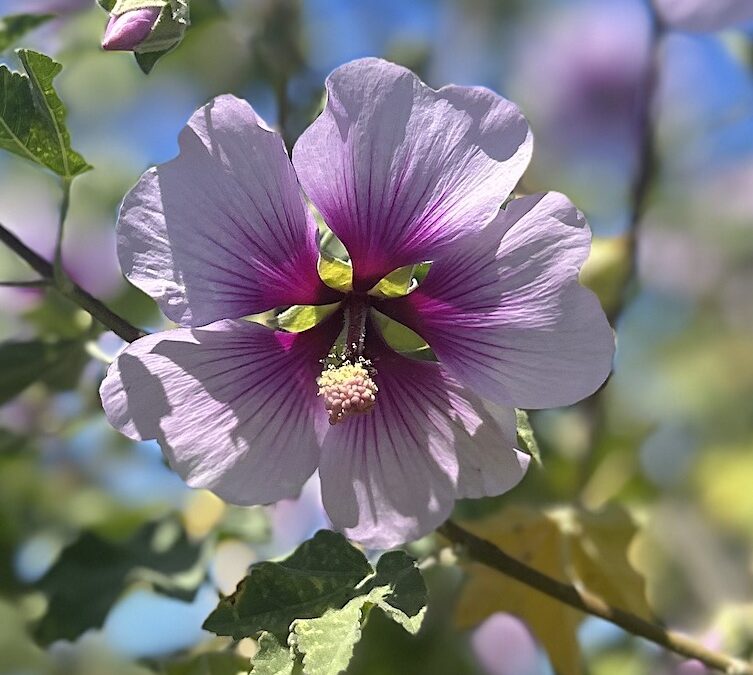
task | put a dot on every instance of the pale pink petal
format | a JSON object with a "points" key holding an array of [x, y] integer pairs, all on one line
{"points": [[399, 170], [393, 475], [233, 405], [222, 231], [504, 311]]}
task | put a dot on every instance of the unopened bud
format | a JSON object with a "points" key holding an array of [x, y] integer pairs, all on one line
{"points": [[127, 31]]}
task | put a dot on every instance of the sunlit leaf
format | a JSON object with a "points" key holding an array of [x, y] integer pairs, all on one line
{"points": [[587, 550], [18, 653], [15, 26], [327, 642], [299, 318], [272, 657], [526, 436], [32, 117], [401, 281]]}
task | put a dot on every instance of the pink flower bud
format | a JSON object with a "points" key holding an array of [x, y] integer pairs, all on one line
{"points": [[127, 31]]}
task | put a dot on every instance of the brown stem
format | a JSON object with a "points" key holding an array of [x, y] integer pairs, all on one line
{"points": [[488, 554], [646, 167], [71, 290]]}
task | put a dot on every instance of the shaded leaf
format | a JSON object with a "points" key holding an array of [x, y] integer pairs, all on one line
{"points": [[402, 339], [22, 363], [576, 547], [321, 573], [32, 117], [15, 26], [210, 663], [91, 574], [406, 601]]}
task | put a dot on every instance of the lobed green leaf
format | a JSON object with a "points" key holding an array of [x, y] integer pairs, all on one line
{"points": [[316, 601], [32, 116]]}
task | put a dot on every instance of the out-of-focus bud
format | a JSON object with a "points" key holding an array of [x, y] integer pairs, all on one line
{"points": [[126, 32]]}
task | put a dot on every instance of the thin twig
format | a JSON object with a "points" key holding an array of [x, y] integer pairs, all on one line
{"points": [[646, 167], [70, 289], [488, 554], [33, 283]]}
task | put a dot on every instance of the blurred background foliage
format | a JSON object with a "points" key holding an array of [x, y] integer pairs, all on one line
{"points": [[108, 564]]}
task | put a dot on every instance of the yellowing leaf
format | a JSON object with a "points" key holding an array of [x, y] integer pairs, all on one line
{"points": [[723, 476], [584, 549]]}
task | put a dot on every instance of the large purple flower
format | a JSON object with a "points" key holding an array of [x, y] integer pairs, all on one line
{"points": [[402, 174]]}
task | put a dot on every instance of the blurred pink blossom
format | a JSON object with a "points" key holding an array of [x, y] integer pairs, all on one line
{"points": [[580, 72], [704, 15], [503, 645]]}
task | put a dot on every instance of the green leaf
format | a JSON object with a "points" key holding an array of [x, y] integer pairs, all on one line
{"points": [[402, 339], [91, 574], [336, 273], [147, 60], [299, 318], [272, 658], [406, 601], [15, 26], [32, 117], [526, 437], [318, 599], [327, 642], [209, 663], [321, 573], [23, 363]]}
